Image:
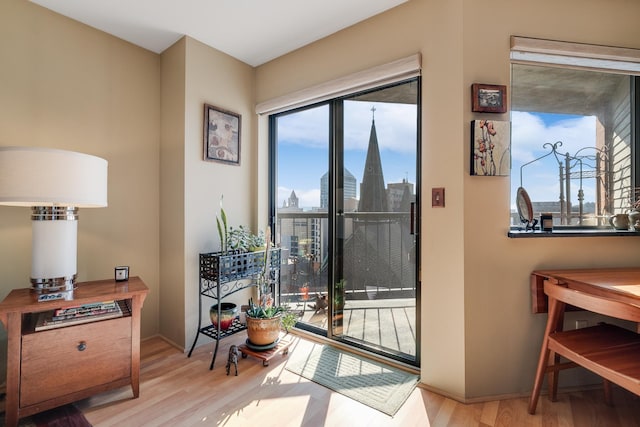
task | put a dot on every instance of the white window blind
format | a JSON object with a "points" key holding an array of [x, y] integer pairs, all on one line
{"points": [[610, 59], [392, 72]]}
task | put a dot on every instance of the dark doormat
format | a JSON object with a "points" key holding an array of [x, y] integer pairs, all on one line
{"points": [[63, 416]]}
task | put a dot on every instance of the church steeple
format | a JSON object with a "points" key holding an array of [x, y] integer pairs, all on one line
{"points": [[373, 196], [293, 200]]}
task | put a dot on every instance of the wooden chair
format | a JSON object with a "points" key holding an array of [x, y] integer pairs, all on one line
{"points": [[610, 351]]}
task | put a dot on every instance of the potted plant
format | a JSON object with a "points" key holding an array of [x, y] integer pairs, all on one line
{"points": [[288, 321], [263, 325], [264, 318], [338, 295], [228, 312], [241, 239], [237, 240]]}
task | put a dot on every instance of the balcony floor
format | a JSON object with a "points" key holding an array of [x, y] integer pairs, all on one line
{"points": [[385, 323]]}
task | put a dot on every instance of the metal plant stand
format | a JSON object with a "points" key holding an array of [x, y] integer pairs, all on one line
{"points": [[224, 275]]}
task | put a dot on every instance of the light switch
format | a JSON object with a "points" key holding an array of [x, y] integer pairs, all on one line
{"points": [[437, 197]]}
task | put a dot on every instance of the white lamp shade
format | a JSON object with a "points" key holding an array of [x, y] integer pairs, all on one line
{"points": [[34, 176]]}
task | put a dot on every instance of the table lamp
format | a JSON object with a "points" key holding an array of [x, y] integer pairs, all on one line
{"points": [[54, 183]]}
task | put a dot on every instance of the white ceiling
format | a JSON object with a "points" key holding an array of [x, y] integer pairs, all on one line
{"points": [[253, 31]]}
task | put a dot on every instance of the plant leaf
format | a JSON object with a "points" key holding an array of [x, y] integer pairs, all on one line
{"points": [[226, 229], [220, 234]]}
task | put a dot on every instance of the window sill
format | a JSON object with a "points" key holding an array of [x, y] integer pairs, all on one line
{"points": [[571, 232]]}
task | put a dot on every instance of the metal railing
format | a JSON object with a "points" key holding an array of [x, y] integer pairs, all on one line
{"points": [[378, 255]]}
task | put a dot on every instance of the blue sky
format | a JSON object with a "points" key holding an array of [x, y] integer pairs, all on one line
{"points": [[529, 132], [303, 152]]}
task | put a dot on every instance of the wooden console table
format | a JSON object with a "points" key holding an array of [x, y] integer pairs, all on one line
{"points": [[609, 351], [53, 367]]}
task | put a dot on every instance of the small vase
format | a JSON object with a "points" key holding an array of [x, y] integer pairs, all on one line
{"points": [[634, 219], [228, 312]]}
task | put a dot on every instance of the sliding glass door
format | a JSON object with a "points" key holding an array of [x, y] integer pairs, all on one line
{"points": [[345, 196]]}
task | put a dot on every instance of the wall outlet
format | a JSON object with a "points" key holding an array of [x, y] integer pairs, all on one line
{"points": [[581, 324]]}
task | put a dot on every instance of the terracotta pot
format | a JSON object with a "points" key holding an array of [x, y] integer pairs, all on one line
{"points": [[263, 331]]}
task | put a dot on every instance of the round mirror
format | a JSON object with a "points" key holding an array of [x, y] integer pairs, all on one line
{"points": [[523, 203]]}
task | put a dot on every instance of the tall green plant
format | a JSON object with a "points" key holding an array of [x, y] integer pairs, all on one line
{"points": [[223, 230]]}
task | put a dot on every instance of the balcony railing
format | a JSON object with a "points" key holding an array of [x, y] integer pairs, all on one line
{"points": [[377, 255]]}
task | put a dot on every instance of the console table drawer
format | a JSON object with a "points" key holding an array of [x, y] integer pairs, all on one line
{"points": [[66, 360]]}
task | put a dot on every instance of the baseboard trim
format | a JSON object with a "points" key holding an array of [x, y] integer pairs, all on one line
{"points": [[507, 396]]}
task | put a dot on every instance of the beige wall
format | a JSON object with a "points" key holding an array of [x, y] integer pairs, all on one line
{"points": [[478, 335], [68, 86], [65, 85], [172, 167], [215, 78], [502, 338]]}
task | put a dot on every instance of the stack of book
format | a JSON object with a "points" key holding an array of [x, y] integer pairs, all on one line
{"points": [[78, 314]]}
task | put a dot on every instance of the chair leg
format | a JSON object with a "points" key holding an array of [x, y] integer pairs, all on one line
{"points": [[555, 373], [554, 359], [556, 311], [542, 363]]}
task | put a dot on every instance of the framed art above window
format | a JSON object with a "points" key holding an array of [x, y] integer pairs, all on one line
{"points": [[488, 98]]}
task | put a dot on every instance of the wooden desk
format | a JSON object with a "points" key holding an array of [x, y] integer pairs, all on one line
{"points": [[610, 351], [618, 283], [50, 368]]}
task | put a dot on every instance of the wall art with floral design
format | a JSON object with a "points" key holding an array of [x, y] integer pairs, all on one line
{"points": [[490, 148]]}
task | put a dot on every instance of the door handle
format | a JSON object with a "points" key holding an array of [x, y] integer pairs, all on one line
{"points": [[412, 214]]}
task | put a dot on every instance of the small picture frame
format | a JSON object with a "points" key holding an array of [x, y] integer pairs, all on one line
{"points": [[221, 135], [122, 273], [488, 98]]}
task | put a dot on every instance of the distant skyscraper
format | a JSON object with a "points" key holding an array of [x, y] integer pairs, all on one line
{"points": [[349, 188], [396, 194]]}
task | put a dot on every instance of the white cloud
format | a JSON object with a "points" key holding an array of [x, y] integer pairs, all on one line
{"points": [[541, 178], [308, 127], [529, 133], [395, 126]]}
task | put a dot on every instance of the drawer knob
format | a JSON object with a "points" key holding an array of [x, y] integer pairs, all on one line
{"points": [[82, 346]]}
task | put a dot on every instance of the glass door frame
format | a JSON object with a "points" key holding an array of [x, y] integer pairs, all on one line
{"points": [[335, 210]]}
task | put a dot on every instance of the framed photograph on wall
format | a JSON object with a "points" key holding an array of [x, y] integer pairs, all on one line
{"points": [[488, 98], [221, 135], [490, 148]]}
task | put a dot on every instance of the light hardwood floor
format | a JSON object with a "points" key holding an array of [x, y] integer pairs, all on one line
{"points": [[180, 391]]}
